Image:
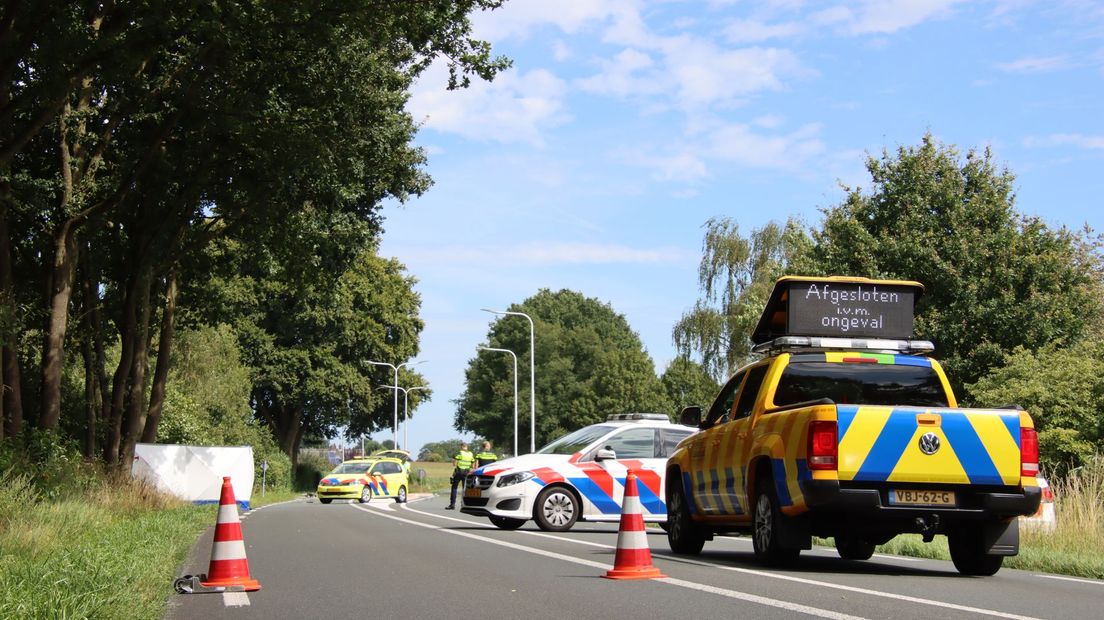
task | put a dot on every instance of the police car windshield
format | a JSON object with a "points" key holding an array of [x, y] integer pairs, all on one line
{"points": [[860, 384], [574, 442], [352, 468]]}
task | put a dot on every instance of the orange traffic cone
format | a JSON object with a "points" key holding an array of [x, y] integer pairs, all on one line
{"points": [[229, 567], [634, 558]]}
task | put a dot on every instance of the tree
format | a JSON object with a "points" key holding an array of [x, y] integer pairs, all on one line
{"points": [[994, 279], [439, 451], [306, 327], [133, 134], [687, 383], [590, 364], [1063, 390], [736, 275]]}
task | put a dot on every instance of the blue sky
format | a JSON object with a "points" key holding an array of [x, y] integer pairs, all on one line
{"points": [[624, 125]]}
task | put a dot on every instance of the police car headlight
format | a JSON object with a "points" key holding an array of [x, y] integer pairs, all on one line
{"points": [[514, 478]]}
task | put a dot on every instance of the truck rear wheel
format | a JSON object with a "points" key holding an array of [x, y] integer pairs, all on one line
{"points": [[683, 535], [767, 527], [969, 556], [853, 548]]}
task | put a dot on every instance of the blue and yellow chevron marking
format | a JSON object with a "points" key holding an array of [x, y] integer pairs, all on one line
{"points": [[372, 483], [881, 444]]}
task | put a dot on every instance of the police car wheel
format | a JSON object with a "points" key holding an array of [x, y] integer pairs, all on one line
{"points": [[401, 496], [851, 548], [556, 509], [683, 535], [507, 523], [325, 500], [365, 494], [767, 525]]}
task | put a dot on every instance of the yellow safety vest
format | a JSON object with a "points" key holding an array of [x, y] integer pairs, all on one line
{"points": [[486, 458], [464, 459]]}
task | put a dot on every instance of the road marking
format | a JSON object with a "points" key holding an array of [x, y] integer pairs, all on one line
{"points": [[759, 573], [743, 596], [235, 599], [1089, 581]]}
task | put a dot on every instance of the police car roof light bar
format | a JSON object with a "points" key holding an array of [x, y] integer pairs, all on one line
{"points": [[629, 417]]}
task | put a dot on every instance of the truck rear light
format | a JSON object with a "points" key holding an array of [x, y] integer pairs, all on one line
{"points": [[823, 449], [1029, 452]]}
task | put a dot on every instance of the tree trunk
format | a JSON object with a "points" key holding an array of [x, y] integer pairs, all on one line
{"points": [[60, 292], [122, 372], [161, 374], [93, 373], [136, 407], [12, 386]]}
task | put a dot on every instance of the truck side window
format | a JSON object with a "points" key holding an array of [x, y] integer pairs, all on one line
{"points": [[750, 391], [718, 413]]}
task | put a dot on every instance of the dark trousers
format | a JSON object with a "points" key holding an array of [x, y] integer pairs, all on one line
{"points": [[457, 479]]}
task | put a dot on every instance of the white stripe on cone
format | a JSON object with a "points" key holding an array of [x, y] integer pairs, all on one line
{"points": [[228, 550], [228, 513]]}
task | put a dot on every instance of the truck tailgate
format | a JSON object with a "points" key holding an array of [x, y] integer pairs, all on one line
{"points": [[929, 445]]}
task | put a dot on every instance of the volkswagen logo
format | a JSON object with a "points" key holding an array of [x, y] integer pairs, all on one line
{"points": [[929, 443]]}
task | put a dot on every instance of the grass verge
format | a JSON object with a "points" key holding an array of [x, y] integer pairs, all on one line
{"points": [[110, 553]]}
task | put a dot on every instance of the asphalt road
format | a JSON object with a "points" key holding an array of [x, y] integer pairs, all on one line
{"points": [[385, 560]]}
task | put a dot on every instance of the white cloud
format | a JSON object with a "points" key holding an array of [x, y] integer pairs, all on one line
{"points": [[881, 17], [546, 254], [1065, 139], [684, 166], [1035, 64], [519, 19], [515, 107], [694, 72], [741, 144], [753, 31]]}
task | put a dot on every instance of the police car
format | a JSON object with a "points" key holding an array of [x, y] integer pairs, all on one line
{"points": [[580, 476], [363, 479]]}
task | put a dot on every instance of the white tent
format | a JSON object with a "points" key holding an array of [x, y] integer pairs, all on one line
{"points": [[195, 473]]}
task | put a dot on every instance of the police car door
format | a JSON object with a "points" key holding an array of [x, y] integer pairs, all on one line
{"points": [[636, 450]]}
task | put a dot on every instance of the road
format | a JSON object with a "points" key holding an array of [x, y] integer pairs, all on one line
{"points": [[385, 560]]}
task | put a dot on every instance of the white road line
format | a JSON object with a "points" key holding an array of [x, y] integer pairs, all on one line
{"points": [[759, 573], [751, 598], [1089, 581], [235, 599]]}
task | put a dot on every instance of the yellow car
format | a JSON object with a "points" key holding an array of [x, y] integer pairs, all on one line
{"points": [[363, 479]]}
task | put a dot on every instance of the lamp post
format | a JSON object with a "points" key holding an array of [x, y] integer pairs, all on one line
{"points": [[532, 375], [406, 407], [513, 355], [395, 424]]}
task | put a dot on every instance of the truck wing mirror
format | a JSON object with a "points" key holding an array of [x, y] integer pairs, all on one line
{"points": [[691, 416]]}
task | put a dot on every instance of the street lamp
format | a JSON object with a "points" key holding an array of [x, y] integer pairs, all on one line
{"points": [[532, 375], [406, 407], [395, 424], [513, 355]]}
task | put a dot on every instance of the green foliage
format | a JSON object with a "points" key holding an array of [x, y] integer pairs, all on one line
{"points": [[439, 451], [207, 402], [994, 278], [687, 383], [1063, 390], [308, 471], [736, 276], [51, 463], [590, 364]]}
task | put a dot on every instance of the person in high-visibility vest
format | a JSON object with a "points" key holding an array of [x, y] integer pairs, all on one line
{"points": [[485, 456], [462, 463]]}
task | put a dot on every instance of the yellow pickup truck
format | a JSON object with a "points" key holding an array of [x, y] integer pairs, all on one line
{"points": [[846, 429]]}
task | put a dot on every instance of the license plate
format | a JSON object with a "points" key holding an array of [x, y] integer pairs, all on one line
{"points": [[916, 497], [471, 492]]}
